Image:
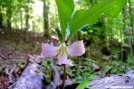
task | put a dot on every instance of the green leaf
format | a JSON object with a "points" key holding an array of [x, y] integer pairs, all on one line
{"points": [[65, 10], [81, 17], [88, 59], [45, 62], [83, 27], [128, 37], [126, 45], [83, 84], [59, 34]]}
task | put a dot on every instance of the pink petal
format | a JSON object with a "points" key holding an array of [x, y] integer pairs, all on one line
{"points": [[76, 49], [63, 60], [48, 50]]}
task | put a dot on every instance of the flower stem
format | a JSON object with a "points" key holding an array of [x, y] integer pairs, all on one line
{"points": [[64, 76]]}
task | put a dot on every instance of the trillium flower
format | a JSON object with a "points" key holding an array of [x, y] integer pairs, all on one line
{"points": [[76, 49]]}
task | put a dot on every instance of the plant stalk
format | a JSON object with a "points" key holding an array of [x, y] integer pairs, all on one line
{"points": [[64, 76]]}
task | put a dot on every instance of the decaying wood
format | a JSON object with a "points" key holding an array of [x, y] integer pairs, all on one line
{"points": [[56, 84], [114, 81], [56, 77], [30, 78]]}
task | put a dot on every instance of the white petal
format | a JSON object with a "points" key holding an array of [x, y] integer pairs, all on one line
{"points": [[48, 50], [63, 60], [76, 49]]}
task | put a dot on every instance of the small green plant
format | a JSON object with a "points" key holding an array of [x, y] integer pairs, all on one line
{"points": [[45, 64]]}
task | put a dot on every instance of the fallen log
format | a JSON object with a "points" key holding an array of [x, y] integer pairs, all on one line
{"points": [[114, 81], [30, 78], [56, 76]]}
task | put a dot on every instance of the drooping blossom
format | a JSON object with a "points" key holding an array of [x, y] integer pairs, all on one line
{"points": [[75, 49]]}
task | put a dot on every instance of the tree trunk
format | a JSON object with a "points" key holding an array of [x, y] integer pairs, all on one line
{"points": [[9, 14], [1, 20], [9, 22], [127, 32], [45, 14], [132, 25], [21, 16], [27, 27], [27, 21]]}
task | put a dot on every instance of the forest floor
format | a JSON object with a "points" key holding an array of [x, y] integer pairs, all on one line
{"points": [[14, 51], [13, 45]]}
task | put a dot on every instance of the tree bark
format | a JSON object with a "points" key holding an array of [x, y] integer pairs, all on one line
{"points": [[21, 16], [9, 21], [127, 32], [27, 27], [1, 20], [45, 14], [56, 76], [30, 78], [114, 80], [132, 25], [9, 14]]}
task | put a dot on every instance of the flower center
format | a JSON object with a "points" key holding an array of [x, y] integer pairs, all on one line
{"points": [[62, 50]]}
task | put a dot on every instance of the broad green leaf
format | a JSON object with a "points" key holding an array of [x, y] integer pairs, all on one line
{"points": [[83, 84], [65, 9], [89, 16]]}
